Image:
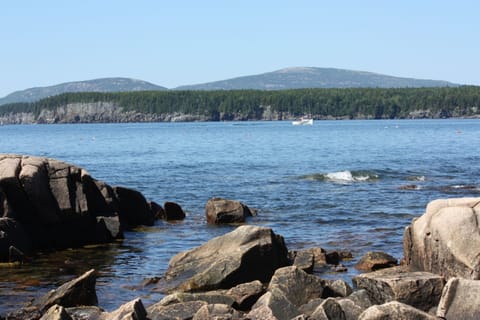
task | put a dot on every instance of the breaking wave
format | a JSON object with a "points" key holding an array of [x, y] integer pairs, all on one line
{"points": [[343, 176]]}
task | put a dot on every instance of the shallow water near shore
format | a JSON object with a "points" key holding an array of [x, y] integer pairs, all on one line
{"points": [[345, 185]]}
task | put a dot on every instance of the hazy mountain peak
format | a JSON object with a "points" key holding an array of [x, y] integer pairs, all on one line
{"points": [[96, 85], [287, 78], [312, 77]]}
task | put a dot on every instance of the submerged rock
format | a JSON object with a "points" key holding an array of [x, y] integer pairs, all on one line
{"points": [[77, 292], [218, 211], [246, 254], [375, 260], [173, 211]]}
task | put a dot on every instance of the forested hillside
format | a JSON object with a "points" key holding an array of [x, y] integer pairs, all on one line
{"points": [[359, 103]]}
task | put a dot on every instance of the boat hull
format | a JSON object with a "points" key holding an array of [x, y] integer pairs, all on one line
{"points": [[303, 122]]}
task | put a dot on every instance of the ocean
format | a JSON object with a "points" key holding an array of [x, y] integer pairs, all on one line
{"points": [[341, 185]]}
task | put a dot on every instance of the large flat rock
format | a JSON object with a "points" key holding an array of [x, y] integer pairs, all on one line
{"points": [[421, 290], [446, 239], [246, 254]]}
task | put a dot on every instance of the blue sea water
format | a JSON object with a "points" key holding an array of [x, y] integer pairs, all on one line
{"points": [[336, 184]]}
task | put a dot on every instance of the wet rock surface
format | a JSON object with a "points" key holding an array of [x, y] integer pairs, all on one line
{"points": [[50, 204]]}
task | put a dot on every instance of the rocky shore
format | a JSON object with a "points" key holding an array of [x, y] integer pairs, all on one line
{"points": [[109, 112], [49, 204], [248, 273]]}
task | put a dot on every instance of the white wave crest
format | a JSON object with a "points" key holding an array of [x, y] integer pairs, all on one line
{"points": [[347, 176]]}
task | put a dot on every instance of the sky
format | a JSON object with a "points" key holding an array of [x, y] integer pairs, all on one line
{"points": [[181, 42]]}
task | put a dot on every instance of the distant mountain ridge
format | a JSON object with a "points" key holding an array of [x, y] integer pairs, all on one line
{"points": [[311, 77], [288, 78], [96, 85]]}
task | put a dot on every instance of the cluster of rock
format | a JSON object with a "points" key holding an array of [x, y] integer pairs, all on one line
{"points": [[46, 203], [247, 273]]}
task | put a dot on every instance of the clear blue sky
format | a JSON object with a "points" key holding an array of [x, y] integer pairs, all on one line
{"points": [[172, 43]]}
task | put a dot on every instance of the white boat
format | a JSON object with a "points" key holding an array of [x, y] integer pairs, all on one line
{"points": [[303, 122]]}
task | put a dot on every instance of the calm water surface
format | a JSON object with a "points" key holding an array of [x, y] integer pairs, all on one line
{"points": [[336, 184]]}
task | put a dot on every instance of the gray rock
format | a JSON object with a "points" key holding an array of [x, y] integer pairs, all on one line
{"points": [[60, 205], [298, 286], [157, 210], [361, 298], [12, 234], [56, 312], [334, 308], [108, 229], [211, 297], [173, 211], [395, 310], [304, 260], [337, 288], [217, 312], [329, 309], [176, 311], [246, 294], [133, 208], [310, 307], [460, 300], [33, 177], [248, 253], [350, 310], [446, 239], [77, 292], [86, 313], [218, 211], [375, 260], [418, 289], [133, 310], [261, 313], [278, 304]]}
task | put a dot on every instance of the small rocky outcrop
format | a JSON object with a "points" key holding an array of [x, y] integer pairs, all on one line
{"points": [[446, 239], [318, 260], [77, 292], [219, 210], [246, 254], [46, 203], [173, 211], [375, 260]]}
